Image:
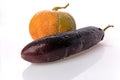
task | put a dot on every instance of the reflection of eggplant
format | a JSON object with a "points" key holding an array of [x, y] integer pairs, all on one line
{"points": [[62, 45]]}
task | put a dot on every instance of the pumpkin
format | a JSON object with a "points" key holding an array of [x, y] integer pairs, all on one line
{"points": [[46, 22]]}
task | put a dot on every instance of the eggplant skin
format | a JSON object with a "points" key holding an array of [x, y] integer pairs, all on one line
{"points": [[58, 46]]}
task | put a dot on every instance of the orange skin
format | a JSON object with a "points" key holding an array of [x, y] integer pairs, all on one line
{"points": [[45, 23]]}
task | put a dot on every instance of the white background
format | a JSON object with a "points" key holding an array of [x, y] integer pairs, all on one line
{"points": [[101, 62]]}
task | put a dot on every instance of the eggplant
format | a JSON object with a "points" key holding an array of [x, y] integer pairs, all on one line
{"points": [[59, 46]]}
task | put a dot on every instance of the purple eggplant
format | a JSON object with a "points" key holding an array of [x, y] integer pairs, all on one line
{"points": [[59, 46]]}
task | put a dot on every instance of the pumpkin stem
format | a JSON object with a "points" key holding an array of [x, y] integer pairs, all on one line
{"points": [[107, 27], [56, 8]]}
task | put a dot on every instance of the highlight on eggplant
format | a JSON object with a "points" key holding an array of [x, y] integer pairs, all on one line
{"points": [[59, 46]]}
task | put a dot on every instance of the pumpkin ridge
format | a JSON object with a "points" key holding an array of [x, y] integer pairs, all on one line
{"points": [[58, 23]]}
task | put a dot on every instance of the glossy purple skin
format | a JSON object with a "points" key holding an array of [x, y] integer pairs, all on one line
{"points": [[55, 47]]}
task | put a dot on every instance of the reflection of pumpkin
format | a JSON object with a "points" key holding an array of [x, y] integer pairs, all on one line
{"points": [[45, 23]]}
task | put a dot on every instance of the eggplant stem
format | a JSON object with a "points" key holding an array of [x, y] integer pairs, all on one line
{"points": [[107, 27]]}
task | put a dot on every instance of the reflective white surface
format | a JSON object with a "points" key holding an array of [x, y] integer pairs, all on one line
{"points": [[101, 62]]}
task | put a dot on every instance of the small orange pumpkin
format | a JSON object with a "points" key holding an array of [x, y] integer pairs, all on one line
{"points": [[45, 23]]}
